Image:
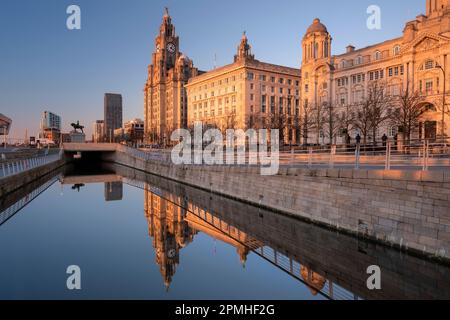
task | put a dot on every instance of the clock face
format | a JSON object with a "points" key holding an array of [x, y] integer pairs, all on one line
{"points": [[171, 254], [171, 47]]}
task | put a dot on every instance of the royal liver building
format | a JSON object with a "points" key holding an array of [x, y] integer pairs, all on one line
{"points": [[165, 101]]}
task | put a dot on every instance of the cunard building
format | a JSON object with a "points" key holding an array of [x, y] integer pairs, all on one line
{"points": [[165, 102]]}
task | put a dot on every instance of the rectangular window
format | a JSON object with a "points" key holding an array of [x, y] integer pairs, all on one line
{"points": [[429, 86], [272, 104], [263, 103]]}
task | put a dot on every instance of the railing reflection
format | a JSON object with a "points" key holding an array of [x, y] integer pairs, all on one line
{"points": [[174, 222], [9, 212]]}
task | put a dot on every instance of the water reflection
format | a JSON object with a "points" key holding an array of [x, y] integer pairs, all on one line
{"points": [[326, 263], [175, 220]]}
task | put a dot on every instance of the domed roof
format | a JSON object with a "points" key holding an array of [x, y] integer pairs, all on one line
{"points": [[317, 26], [183, 58]]}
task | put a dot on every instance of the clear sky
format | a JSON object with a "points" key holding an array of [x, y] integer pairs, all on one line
{"points": [[45, 66]]}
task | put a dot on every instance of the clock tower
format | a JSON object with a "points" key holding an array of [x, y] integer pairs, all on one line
{"points": [[165, 99]]}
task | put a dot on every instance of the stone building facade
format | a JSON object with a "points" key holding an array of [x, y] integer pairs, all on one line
{"points": [[246, 93], [165, 101], [415, 61]]}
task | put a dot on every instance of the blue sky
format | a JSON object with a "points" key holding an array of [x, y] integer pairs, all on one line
{"points": [[44, 66]]}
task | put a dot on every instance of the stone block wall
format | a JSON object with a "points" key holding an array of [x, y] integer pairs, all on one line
{"points": [[406, 209]]}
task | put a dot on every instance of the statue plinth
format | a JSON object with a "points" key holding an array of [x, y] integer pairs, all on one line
{"points": [[77, 137]]}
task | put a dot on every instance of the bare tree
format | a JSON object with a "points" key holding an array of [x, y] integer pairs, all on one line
{"points": [[306, 122], [318, 116], [346, 120], [253, 121], [229, 121], [331, 122], [373, 111], [408, 111], [361, 117], [278, 120]]}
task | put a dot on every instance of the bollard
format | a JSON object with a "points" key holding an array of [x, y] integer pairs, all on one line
{"points": [[357, 155], [310, 152], [425, 156], [388, 156], [332, 154]]}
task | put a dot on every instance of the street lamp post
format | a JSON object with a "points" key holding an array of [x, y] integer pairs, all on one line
{"points": [[443, 104]]}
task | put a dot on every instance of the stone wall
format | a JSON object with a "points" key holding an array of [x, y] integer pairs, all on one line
{"points": [[342, 259], [406, 209], [12, 183]]}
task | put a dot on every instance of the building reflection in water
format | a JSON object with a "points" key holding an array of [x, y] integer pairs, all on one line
{"points": [[330, 264], [314, 280], [169, 230], [172, 227], [113, 191]]}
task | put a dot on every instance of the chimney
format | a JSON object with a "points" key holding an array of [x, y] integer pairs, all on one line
{"points": [[350, 48]]}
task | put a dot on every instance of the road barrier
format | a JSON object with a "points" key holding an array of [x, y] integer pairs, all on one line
{"points": [[417, 155]]}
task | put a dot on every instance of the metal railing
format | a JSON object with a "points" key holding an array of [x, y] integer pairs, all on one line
{"points": [[417, 155], [14, 167]]}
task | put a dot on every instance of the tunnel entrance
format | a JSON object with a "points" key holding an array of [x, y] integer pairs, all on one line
{"points": [[86, 162]]}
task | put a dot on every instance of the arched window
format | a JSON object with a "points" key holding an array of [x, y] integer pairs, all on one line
{"points": [[343, 64], [429, 64], [396, 50], [377, 55], [359, 60], [326, 49]]}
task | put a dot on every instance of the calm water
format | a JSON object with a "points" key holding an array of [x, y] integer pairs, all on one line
{"points": [[136, 236]]}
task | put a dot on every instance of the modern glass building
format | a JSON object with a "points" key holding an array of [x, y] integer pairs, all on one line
{"points": [[5, 124]]}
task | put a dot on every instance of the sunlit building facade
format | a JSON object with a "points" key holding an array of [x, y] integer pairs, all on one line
{"points": [[5, 124], [246, 94], [165, 101], [416, 61], [99, 131], [50, 127]]}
